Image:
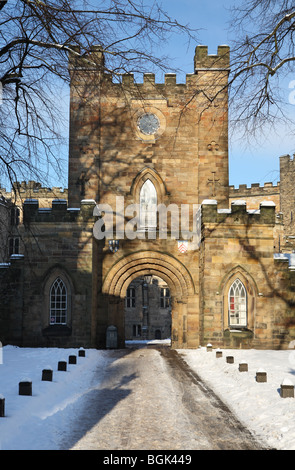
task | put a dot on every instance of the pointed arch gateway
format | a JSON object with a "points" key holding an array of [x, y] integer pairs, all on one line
{"points": [[185, 309]]}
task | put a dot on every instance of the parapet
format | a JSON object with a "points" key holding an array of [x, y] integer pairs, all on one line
{"points": [[58, 212], [219, 61], [287, 158], [238, 213], [91, 60], [254, 190], [287, 164], [32, 189]]}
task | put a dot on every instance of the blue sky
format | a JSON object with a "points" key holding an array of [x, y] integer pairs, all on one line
{"points": [[255, 163]]}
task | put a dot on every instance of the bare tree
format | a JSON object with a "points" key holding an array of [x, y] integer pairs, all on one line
{"points": [[36, 38], [262, 57]]}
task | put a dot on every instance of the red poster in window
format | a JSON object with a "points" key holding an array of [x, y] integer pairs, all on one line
{"points": [[232, 303]]}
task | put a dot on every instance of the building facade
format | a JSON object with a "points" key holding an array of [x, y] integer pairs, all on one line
{"points": [[149, 200]]}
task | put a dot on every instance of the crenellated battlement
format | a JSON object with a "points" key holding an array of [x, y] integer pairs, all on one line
{"points": [[238, 213], [254, 190], [205, 61], [58, 212], [287, 159], [91, 60], [149, 81], [32, 189], [94, 61]]}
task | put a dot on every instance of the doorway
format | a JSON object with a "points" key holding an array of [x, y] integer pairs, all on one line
{"points": [[148, 309]]}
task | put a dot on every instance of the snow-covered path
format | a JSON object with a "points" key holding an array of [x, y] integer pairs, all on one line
{"points": [[147, 402]]}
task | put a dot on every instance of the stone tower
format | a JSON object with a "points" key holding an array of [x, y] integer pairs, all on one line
{"points": [[188, 149], [169, 140]]}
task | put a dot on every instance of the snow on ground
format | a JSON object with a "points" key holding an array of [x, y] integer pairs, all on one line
{"points": [[258, 405], [39, 421]]}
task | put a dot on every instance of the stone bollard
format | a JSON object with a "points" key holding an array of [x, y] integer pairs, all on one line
{"points": [[287, 389], [261, 376], [25, 387], [2, 406], [209, 347], [62, 365], [230, 359], [47, 374], [218, 353], [81, 352], [72, 360], [243, 367]]}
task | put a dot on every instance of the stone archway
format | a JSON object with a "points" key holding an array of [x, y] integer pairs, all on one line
{"points": [[185, 305]]}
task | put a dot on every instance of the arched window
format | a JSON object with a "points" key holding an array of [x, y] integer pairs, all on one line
{"points": [[237, 304], [58, 302], [148, 205]]}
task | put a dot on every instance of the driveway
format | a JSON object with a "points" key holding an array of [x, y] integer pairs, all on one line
{"points": [[150, 399]]}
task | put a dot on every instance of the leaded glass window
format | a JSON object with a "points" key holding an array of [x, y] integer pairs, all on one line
{"points": [[237, 302], [58, 302]]}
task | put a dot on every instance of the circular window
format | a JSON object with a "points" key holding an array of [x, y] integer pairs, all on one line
{"points": [[148, 123]]}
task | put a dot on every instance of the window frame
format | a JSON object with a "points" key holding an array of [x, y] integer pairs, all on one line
{"points": [[130, 297], [238, 305], [136, 330], [13, 246], [165, 300], [14, 216]]}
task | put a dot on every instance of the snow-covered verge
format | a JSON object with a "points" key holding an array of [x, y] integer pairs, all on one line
{"points": [[40, 421], [257, 404]]}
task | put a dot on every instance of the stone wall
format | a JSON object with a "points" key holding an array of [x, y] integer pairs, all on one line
{"points": [[58, 242], [238, 244], [287, 175]]}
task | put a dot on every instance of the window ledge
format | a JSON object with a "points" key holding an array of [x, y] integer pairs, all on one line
{"points": [[241, 332], [57, 330]]}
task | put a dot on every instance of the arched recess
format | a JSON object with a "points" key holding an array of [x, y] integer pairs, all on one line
{"points": [[155, 178], [177, 277], [251, 290], [149, 262]]}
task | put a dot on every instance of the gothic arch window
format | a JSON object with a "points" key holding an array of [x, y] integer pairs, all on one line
{"points": [[237, 305], [148, 205], [58, 302]]}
